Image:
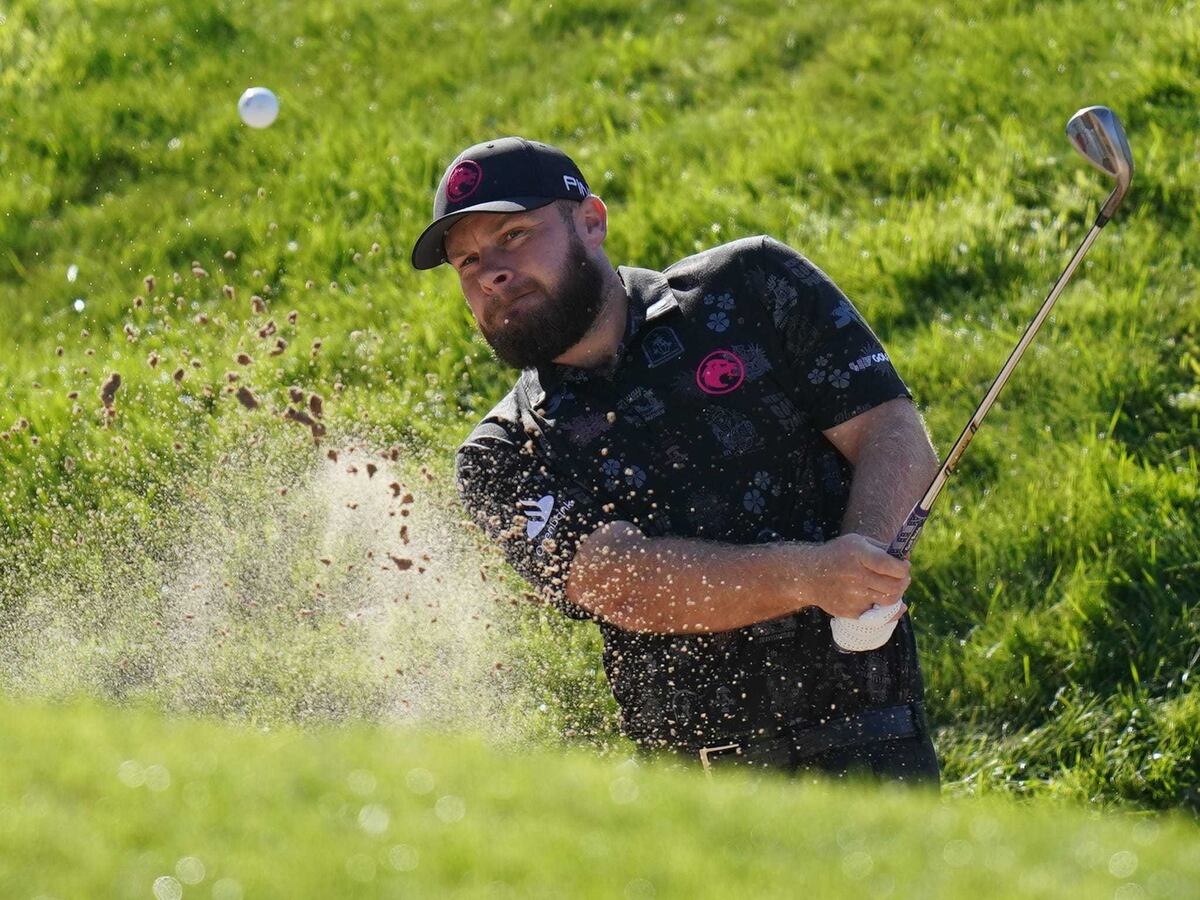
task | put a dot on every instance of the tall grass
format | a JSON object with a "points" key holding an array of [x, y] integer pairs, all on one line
{"points": [[915, 152]]}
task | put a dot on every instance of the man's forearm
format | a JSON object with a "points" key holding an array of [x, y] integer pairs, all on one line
{"points": [[686, 586], [894, 467], [683, 585]]}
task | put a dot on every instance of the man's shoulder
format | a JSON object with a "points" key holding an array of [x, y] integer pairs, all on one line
{"points": [[501, 426], [752, 256], [713, 261]]}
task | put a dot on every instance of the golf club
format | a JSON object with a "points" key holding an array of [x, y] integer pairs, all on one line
{"points": [[1096, 133]]}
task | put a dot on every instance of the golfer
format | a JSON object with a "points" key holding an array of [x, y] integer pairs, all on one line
{"points": [[706, 461]]}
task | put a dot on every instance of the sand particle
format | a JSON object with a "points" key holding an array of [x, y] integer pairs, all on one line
{"points": [[247, 398], [108, 390]]}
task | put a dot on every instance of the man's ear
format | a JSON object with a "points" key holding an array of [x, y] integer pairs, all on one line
{"points": [[591, 220]]}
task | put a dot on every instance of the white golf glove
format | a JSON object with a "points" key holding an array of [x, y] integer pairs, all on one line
{"points": [[869, 631]]}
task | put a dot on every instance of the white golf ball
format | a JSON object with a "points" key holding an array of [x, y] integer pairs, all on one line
{"points": [[258, 107]]}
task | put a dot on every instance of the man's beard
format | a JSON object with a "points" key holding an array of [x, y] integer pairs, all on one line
{"points": [[536, 337]]}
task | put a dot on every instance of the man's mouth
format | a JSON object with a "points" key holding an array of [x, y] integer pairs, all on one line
{"points": [[508, 304], [506, 310]]}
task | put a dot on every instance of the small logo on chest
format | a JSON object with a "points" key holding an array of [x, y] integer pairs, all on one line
{"points": [[641, 403], [537, 512], [661, 345], [721, 372]]}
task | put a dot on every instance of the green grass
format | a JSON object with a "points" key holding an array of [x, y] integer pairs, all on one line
{"points": [[914, 152], [96, 803]]}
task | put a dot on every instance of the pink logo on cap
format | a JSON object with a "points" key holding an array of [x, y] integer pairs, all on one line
{"points": [[464, 180], [720, 372]]}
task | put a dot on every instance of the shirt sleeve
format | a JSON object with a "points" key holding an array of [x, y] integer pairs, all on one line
{"points": [[842, 369], [536, 517]]}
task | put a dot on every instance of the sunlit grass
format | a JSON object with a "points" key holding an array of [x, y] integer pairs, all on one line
{"points": [[915, 153]]}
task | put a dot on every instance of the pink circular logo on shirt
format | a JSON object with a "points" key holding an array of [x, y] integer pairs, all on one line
{"points": [[720, 372], [464, 181]]}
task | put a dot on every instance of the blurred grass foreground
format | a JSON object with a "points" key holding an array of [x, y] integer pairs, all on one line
{"points": [[197, 809], [256, 522]]}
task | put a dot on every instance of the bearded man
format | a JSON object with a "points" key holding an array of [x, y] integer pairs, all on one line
{"points": [[706, 461]]}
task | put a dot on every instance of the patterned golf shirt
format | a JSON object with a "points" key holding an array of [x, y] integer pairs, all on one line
{"points": [[708, 425]]}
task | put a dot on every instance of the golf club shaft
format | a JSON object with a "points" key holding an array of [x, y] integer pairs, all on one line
{"points": [[903, 543]]}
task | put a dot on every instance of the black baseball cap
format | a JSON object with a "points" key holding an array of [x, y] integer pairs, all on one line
{"points": [[506, 175]]}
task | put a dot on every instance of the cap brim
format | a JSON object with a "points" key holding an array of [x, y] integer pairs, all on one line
{"points": [[429, 250]]}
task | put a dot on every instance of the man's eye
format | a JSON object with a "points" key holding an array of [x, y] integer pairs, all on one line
{"points": [[513, 233], [466, 261]]}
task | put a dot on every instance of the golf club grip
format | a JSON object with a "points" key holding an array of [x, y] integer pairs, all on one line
{"points": [[902, 544]]}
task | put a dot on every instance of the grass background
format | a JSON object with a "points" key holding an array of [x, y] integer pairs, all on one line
{"points": [[915, 152]]}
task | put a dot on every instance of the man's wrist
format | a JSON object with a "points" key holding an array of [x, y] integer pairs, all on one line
{"points": [[796, 565]]}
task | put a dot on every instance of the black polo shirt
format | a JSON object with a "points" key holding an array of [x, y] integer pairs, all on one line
{"points": [[708, 425]]}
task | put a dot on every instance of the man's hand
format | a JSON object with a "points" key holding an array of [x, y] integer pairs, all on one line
{"points": [[852, 573]]}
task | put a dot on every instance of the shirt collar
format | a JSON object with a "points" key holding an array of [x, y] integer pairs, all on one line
{"points": [[650, 298]]}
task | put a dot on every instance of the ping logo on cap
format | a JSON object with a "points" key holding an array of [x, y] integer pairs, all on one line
{"points": [[570, 182], [464, 181]]}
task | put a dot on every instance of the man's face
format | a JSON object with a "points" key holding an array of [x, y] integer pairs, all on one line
{"points": [[530, 282]]}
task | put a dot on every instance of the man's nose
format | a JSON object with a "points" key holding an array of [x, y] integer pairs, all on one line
{"points": [[496, 273]]}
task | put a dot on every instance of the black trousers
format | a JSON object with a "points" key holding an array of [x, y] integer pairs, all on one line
{"points": [[910, 760], [903, 752]]}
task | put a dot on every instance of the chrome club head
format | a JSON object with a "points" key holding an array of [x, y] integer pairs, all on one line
{"points": [[1096, 132]]}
